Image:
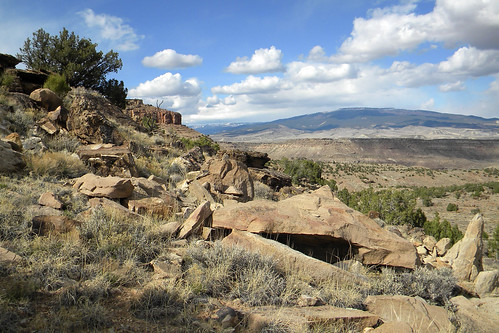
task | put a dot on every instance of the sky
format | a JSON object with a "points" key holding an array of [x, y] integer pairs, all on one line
{"points": [[223, 61]]}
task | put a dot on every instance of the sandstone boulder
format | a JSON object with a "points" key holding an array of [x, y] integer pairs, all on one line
{"points": [[251, 159], [11, 160], [108, 187], [46, 224], [473, 317], [442, 246], [414, 311], [319, 224], [195, 222], [109, 161], [465, 256], [306, 319], [223, 173], [198, 191], [288, 259], [46, 98], [49, 199], [274, 179], [14, 139], [487, 283], [191, 161]]}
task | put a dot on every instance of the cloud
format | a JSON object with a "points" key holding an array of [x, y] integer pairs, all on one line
{"points": [[251, 85], [122, 36], [312, 72], [167, 84], [169, 59], [470, 61], [454, 86], [388, 31], [262, 61]]}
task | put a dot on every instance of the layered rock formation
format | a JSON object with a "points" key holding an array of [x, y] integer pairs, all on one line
{"points": [[137, 110]]}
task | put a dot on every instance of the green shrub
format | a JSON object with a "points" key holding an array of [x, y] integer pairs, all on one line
{"points": [[57, 83], [451, 207], [493, 243], [443, 229], [304, 171], [6, 80], [202, 142]]}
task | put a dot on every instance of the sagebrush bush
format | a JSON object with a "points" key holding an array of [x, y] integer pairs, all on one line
{"points": [[233, 272], [158, 302], [58, 164], [21, 121], [434, 285]]}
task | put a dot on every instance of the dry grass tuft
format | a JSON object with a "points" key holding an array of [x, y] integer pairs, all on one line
{"points": [[58, 164]]}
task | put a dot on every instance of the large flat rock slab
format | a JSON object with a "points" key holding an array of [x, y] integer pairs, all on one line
{"points": [[321, 225]]}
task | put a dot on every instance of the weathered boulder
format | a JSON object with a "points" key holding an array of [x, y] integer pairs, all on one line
{"points": [[251, 159], [487, 283], [195, 222], [191, 161], [414, 311], [198, 191], [474, 317], [48, 126], [46, 98], [11, 160], [274, 179], [322, 225], [110, 206], [108, 187], [429, 243], [442, 246], [46, 224], [14, 139], [163, 207], [223, 173], [49, 199], [145, 187], [465, 256], [303, 319], [393, 327], [109, 161], [288, 259], [59, 116]]}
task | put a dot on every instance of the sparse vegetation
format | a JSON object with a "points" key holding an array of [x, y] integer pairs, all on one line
{"points": [[202, 142], [59, 164], [443, 229], [304, 171], [57, 83]]}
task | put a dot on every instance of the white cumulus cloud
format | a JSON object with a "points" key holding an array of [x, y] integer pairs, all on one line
{"points": [[388, 32], [169, 59], [167, 84], [454, 86], [251, 85], [312, 72], [262, 61], [122, 36]]}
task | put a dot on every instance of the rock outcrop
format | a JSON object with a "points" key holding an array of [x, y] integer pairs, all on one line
{"points": [[224, 174], [413, 311], [465, 257], [107, 187], [318, 224], [251, 159], [288, 259], [473, 316], [137, 110], [108, 160]]}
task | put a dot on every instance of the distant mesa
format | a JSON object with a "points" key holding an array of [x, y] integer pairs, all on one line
{"points": [[137, 110]]}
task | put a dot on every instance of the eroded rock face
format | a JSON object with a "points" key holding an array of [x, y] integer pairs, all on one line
{"points": [[274, 179], [163, 207], [224, 173], [109, 161], [107, 187], [251, 159], [474, 316], [137, 110], [413, 311], [196, 220], [322, 226], [465, 257]]}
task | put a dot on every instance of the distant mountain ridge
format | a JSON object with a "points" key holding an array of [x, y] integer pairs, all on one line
{"points": [[361, 122]]}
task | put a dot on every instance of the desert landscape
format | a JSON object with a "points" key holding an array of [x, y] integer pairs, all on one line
{"points": [[122, 219]]}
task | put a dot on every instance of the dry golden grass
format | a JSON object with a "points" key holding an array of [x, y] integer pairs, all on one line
{"points": [[58, 164]]}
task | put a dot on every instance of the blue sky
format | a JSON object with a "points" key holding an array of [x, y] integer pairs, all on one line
{"points": [[259, 60]]}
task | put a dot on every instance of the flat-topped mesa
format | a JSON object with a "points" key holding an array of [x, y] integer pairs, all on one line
{"points": [[137, 110]]}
